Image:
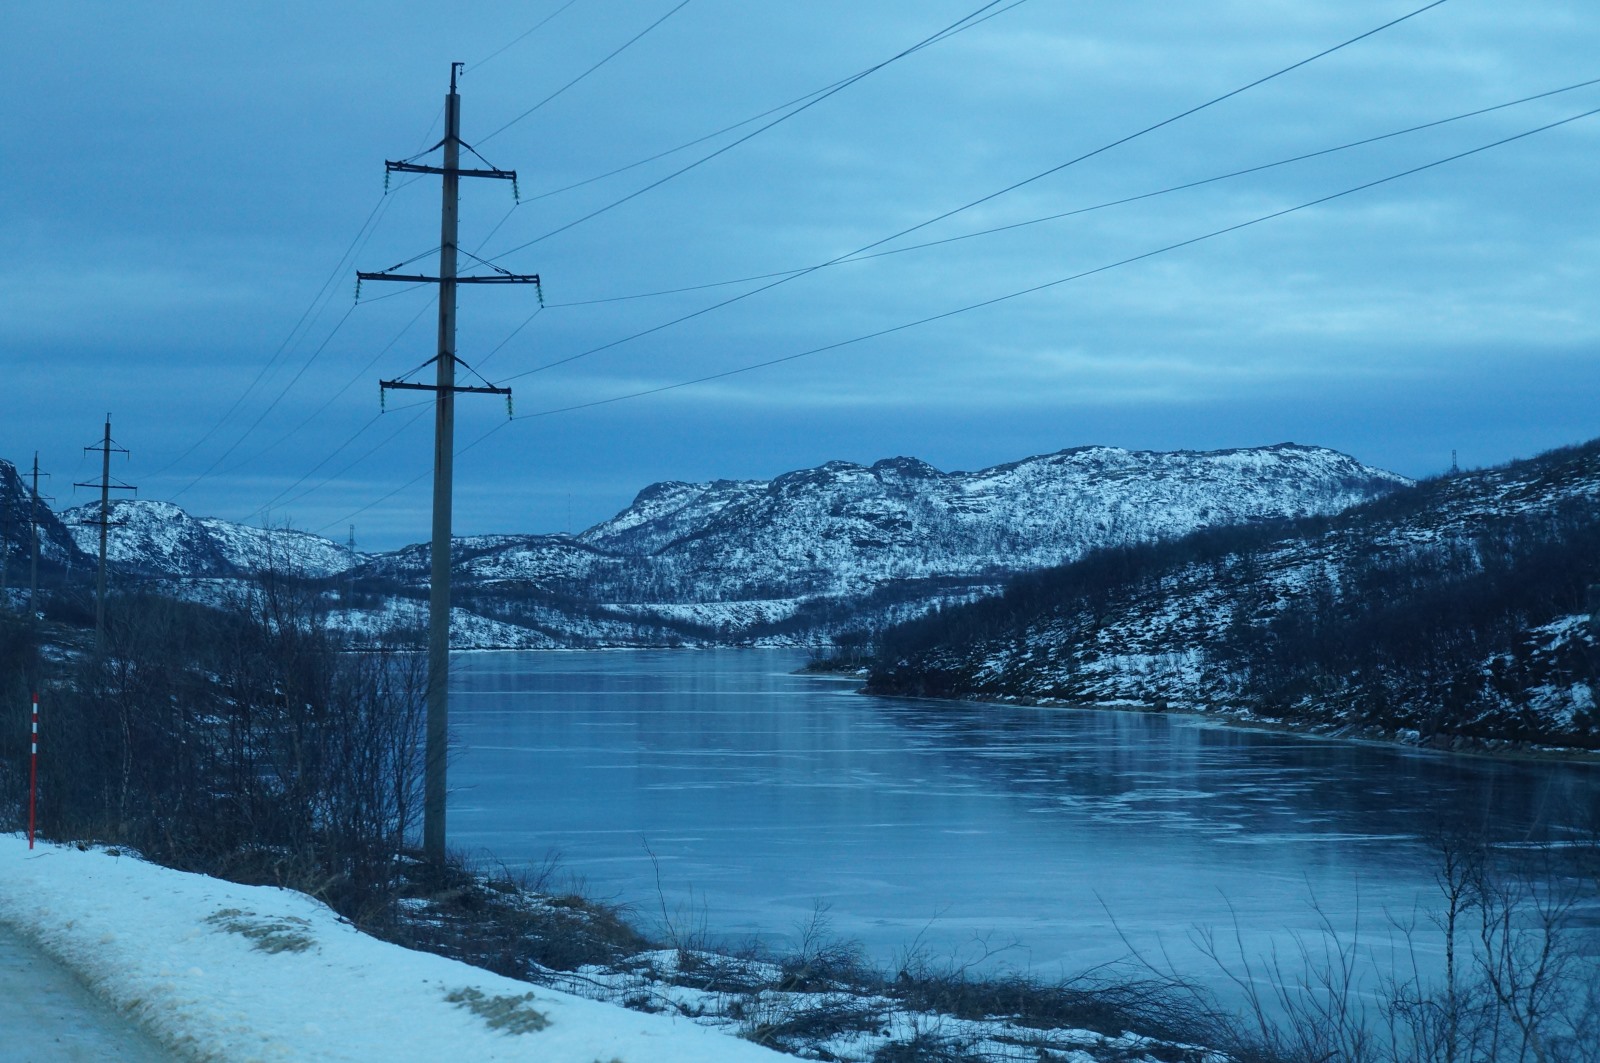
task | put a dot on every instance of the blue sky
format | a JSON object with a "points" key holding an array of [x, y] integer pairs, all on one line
{"points": [[181, 179]]}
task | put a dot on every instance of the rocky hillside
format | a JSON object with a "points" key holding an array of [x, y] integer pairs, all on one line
{"points": [[802, 557], [160, 539], [1457, 612], [843, 528], [56, 547], [818, 552]]}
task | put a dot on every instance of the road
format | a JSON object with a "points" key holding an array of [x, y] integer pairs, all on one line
{"points": [[48, 1016]]}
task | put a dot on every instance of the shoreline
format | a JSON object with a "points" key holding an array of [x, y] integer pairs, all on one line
{"points": [[1459, 745]]}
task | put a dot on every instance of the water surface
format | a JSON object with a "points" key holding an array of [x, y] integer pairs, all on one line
{"points": [[720, 792]]}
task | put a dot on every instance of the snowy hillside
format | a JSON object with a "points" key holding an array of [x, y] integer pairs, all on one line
{"points": [[801, 558], [160, 538], [846, 546], [17, 509], [1457, 612], [843, 528], [219, 971]]}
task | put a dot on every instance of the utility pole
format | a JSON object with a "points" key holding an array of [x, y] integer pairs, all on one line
{"points": [[350, 573], [445, 389], [33, 521], [106, 449], [5, 533]]}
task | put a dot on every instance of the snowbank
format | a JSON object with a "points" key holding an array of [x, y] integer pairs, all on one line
{"points": [[245, 973]]}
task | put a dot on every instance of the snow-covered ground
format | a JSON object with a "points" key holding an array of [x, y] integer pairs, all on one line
{"points": [[47, 1016], [218, 971]]}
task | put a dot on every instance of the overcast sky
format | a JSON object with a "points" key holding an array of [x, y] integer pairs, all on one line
{"points": [[179, 180]]}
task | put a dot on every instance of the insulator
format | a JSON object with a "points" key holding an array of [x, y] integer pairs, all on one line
{"points": [[358, 289], [538, 289], [385, 180], [383, 399], [509, 414], [516, 193]]}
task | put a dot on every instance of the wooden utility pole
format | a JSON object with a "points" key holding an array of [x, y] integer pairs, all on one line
{"points": [[106, 448], [444, 388]]}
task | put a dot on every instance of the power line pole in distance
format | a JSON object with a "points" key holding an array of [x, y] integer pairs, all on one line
{"points": [[33, 521], [5, 533], [106, 448], [445, 389]]}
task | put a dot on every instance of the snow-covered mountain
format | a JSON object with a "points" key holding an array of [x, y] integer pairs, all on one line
{"points": [[1459, 611], [844, 528], [815, 552], [161, 539], [804, 556], [17, 508]]}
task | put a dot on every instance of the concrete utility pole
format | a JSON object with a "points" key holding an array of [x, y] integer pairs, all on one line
{"points": [[106, 448], [444, 388], [33, 522], [349, 575], [5, 533]]}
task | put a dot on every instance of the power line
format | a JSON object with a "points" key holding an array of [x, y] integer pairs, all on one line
{"points": [[273, 502], [357, 243], [925, 42], [329, 401], [420, 407], [937, 38], [283, 347], [1059, 281], [284, 391], [968, 206], [859, 251], [270, 406], [519, 38], [1187, 185], [977, 305], [619, 50]]}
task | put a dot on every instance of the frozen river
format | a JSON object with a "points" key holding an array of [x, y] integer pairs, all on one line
{"points": [[1064, 835]]}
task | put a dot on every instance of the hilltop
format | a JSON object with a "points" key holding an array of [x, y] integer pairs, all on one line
{"points": [[1456, 614], [801, 558]]}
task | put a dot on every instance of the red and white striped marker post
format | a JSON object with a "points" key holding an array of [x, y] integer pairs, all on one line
{"points": [[33, 772]]}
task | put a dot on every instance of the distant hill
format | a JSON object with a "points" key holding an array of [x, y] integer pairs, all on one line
{"points": [[57, 550], [1457, 612], [819, 551], [800, 558], [160, 539]]}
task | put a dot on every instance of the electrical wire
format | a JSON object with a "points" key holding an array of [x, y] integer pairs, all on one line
{"points": [[270, 406], [1062, 280], [519, 38], [1086, 210], [925, 42], [514, 332], [620, 49], [968, 206], [1123, 140], [329, 401], [937, 38], [362, 430], [362, 237], [283, 347], [377, 447]]}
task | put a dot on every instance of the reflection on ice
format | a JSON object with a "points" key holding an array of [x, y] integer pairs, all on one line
{"points": [[755, 792]]}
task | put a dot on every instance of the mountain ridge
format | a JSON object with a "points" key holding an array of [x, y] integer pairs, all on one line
{"points": [[802, 557], [1459, 612]]}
